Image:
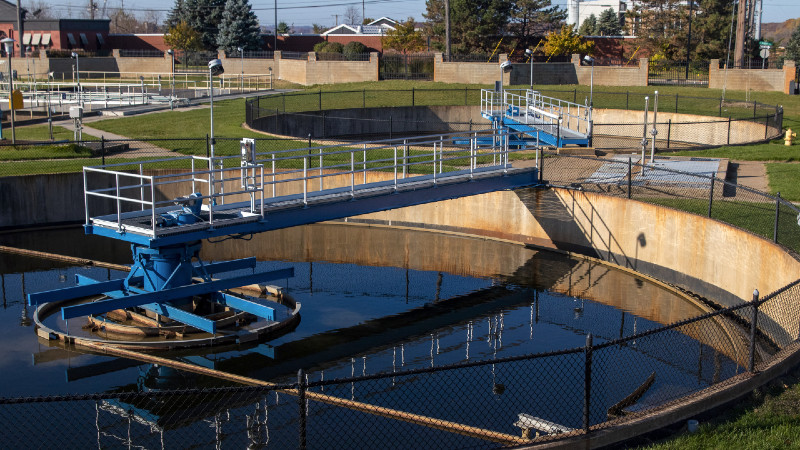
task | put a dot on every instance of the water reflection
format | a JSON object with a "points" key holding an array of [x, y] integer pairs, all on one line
{"points": [[425, 299], [376, 300]]}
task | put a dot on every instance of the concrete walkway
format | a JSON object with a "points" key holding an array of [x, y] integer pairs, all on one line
{"points": [[752, 174], [135, 149], [141, 148]]}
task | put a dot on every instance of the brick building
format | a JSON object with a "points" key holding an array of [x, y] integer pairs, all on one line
{"points": [[54, 34]]}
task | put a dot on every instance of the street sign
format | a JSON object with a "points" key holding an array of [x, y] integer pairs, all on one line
{"points": [[765, 44], [764, 53]]}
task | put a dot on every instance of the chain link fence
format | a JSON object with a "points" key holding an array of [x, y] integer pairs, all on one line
{"points": [[613, 378], [336, 114]]}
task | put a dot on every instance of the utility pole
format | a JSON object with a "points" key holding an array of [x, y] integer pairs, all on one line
{"points": [[91, 9], [744, 29], [21, 28], [738, 49], [363, 17], [689, 38], [275, 45], [446, 27]]}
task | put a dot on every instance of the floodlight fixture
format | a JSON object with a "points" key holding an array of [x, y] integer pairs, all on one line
{"points": [[215, 67]]}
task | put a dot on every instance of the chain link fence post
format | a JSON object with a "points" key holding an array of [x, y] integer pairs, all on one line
{"points": [[777, 216], [587, 382], [711, 196], [630, 176], [303, 411], [753, 324], [103, 149]]}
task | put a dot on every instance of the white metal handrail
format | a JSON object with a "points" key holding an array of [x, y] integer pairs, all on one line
{"points": [[284, 174]]}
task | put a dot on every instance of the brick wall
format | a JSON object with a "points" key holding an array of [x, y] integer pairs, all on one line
{"points": [[751, 79], [543, 73], [326, 72], [468, 72], [629, 75]]}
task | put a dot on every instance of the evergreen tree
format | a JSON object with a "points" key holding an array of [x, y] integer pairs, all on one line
{"points": [[793, 46], [658, 25], [239, 27], [589, 26], [475, 25], [176, 15], [608, 24], [204, 16], [526, 14], [283, 28], [710, 28]]}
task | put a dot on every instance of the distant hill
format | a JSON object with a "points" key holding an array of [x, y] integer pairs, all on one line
{"points": [[779, 32]]}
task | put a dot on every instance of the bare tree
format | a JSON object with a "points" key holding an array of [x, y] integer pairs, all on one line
{"points": [[151, 20], [352, 16], [39, 10]]}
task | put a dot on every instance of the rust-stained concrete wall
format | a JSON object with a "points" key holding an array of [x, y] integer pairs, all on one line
{"points": [[671, 245], [751, 79], [710, 257]]}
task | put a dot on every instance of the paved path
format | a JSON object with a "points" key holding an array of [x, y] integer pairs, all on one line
{"points": [[142, 148], [135, 149], [752, 174]]}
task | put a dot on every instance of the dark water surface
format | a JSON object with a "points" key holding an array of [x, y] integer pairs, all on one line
{"points": [[373, 300]]}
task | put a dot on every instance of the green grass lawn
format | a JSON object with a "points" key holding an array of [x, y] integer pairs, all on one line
{"points": [[770, 151], [42, 133], [765, 421]]}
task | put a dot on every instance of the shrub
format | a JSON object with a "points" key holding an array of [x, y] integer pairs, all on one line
{"points": [[354, 48], [329, 47]]}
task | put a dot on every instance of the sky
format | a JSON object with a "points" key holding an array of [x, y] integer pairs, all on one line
{"points": [[308, 12]]}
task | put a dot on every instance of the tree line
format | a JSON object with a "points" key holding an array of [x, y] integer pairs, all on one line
{"points": [[663, 29]]}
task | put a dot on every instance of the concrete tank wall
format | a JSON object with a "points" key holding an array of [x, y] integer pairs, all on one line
{"points": [[708, 257]]}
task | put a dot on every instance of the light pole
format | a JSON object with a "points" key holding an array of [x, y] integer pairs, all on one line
{"points": [[172, 80], [8, 43], [50, 77], [77, 76], [590, 60], [241, 55], [214, 68], [529, 52]]}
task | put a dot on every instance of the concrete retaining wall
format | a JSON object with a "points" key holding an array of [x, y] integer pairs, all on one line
{"points": [[671, 245], [375, 121], [708, 257], [689, 128]]}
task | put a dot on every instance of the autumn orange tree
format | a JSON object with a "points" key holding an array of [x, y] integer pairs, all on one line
{"points": [[566, 42], [183, 37], [404, 38]]}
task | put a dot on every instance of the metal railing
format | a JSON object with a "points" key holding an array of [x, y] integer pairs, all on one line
{"points": [[141, 53], [284, 174], [533, 108]]}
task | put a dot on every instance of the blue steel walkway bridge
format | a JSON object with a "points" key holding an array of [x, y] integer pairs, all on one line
{"points": [[164, 208], [532, 116]]}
